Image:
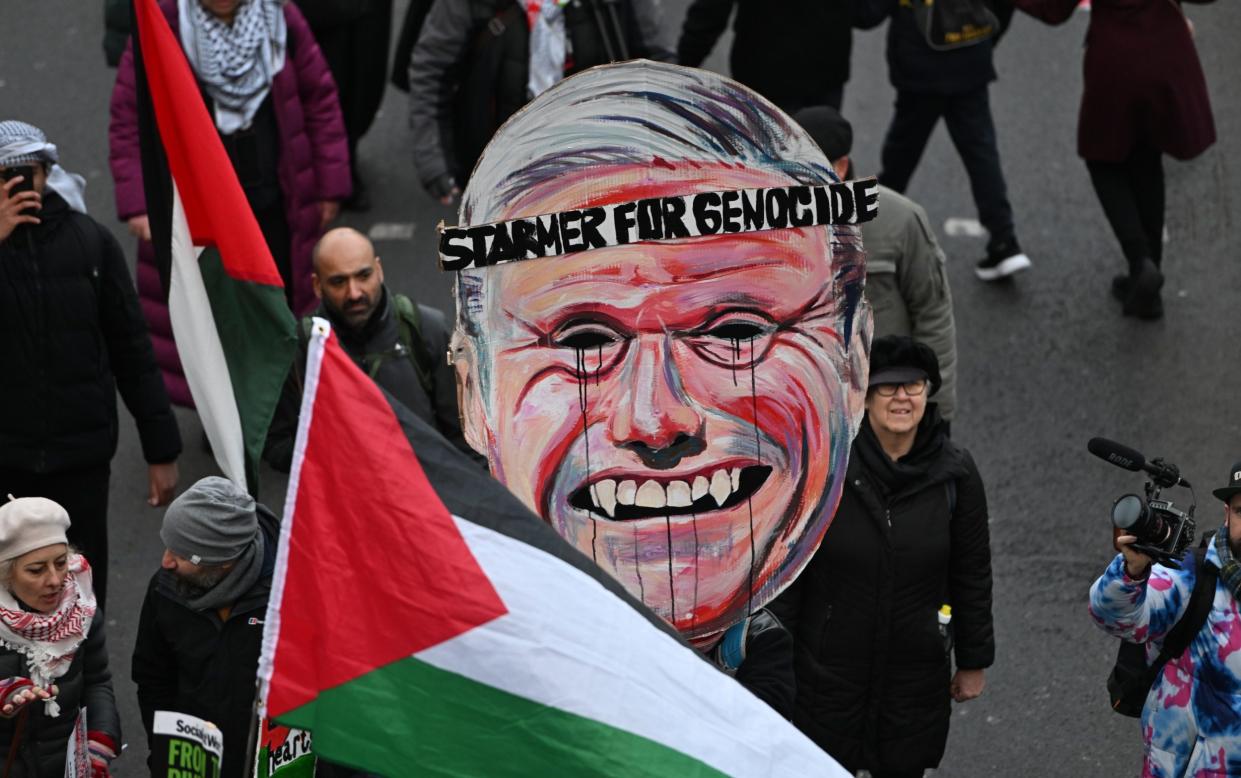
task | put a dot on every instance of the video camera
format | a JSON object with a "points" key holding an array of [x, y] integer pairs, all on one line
{"points": [[1163, 530]]}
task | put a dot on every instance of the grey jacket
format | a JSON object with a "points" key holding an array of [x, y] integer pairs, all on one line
{"points": [[907, 285]]}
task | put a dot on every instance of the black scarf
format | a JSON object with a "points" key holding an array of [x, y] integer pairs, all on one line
{"points": [[911, 470]]}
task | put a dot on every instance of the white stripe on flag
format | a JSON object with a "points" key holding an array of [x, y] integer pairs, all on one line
{"points": [[568, 643], [202, 354]]}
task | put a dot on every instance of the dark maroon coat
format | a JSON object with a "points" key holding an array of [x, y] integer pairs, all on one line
{"points": [[313, 166], [1143, 84]]}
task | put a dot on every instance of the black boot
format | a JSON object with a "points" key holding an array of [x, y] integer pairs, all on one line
{"points": [[1142, 297]]}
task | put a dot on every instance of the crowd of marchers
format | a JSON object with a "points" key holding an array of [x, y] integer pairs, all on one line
{"points": [[293, 87]]}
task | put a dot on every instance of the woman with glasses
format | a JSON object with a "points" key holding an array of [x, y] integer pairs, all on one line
{"points": [[901, 585]]}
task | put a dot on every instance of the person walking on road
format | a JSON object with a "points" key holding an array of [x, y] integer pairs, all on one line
{"points": [[951, 84], [1144, 96], [71, 336], [900, 585], [201, 626], [276, 108], [53, 651]]}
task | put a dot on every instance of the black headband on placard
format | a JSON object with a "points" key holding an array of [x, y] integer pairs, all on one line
{"points": [[658, 218]]}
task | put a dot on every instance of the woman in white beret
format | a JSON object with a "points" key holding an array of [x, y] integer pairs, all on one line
{"points": [[53, 658]]}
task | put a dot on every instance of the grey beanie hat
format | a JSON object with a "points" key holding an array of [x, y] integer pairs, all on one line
{"points": [[213, 522]]}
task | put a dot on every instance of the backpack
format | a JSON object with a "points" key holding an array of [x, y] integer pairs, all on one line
{"points": [[1131, 678], [409, 336], [954, 24]]}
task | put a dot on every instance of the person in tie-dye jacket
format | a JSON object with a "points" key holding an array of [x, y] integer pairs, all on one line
{"points": [[1191, 722]]}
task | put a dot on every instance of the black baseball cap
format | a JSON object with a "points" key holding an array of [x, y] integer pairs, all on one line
{"points": [[899, 359], [1234, 484]]}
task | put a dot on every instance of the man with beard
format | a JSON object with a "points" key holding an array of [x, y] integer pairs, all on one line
{"points": [[678, 408], [201, 627], [401, 345]]}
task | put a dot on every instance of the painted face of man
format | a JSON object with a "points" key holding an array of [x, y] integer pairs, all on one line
{"points": [[679, 411]]}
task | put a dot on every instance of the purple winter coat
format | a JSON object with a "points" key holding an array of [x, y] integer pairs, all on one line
{"points": [[313, 166], [1143, 84]]}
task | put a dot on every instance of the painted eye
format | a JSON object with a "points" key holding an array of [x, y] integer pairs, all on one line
{"points": [[586, 337], [734, 339], [737, 330]]}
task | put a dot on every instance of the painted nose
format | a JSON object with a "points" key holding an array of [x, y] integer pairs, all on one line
{"points": [[658, 423]]}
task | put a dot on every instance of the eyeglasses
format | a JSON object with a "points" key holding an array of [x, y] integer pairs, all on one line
{"points": [[913, 388]]}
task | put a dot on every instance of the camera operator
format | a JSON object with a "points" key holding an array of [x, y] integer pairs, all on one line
{"points": [[1191, 722]]}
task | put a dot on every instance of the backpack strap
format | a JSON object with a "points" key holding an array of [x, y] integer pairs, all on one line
{"points": [[409, 327], [1195, 616]]}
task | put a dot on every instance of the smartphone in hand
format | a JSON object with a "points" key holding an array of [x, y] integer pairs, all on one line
{"points": [[27, 182]]}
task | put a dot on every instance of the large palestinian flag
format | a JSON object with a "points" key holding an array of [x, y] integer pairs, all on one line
{"points": [[454, 633], [234, 331]]}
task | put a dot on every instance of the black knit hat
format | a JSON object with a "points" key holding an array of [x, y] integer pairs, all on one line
{"points": [[898, 359], [828, 128]]}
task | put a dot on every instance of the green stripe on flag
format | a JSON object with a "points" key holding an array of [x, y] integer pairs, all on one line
{"points": [[411, 718], [259, 336]]}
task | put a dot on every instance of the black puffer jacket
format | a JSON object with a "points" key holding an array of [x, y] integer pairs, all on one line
{"points": [[192, 662], [793, 52], [71, 334], [86, 684], [872, 670]]}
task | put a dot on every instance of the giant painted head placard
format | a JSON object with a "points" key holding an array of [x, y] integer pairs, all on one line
{"points": [[673, 374]]}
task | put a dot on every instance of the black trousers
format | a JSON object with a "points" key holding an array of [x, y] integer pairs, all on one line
{"points": [[968, 117], [1132, 195], [84, 494], [833, 96]]}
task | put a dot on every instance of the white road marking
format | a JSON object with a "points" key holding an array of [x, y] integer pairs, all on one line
{"points": [[956, 227], [391, 231]]}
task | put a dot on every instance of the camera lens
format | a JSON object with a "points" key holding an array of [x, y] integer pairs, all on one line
{"points": [[1128, 513]]}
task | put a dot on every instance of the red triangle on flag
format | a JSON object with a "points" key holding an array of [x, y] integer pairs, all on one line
{"points": [[376, 569]]}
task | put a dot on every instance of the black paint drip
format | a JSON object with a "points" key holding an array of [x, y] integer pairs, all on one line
{"points": [[758, 456], [672, 590], [693, 614], [583, 387], [637, 565], [735, 348]]}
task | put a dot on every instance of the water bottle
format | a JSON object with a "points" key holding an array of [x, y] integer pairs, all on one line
{"points": [[944, 617]]}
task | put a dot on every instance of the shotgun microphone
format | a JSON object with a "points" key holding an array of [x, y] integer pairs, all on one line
{"points": [[1162, 473]]}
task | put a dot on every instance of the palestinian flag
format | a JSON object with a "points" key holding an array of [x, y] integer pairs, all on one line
{"points": [[455, 633], [234, 331]]}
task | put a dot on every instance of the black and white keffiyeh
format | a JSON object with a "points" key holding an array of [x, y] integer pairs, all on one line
{"points": [[236, 62]]}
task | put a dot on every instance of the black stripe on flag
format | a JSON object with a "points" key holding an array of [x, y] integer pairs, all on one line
{"points": [[156, 175]]}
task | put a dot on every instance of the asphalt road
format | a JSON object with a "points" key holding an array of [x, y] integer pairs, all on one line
{"points": [[1046, 361]]}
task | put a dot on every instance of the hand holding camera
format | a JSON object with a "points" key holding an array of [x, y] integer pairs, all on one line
{"points": [[1147, 530], [20, 201]]}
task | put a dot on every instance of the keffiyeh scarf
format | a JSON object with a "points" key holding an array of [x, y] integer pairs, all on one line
{"points": [[49, 641], [548, 44], [236, 62], [1229, 566]]}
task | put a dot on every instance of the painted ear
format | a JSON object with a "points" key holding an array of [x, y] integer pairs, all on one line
{"points": [[469, 398], [858, 358]]}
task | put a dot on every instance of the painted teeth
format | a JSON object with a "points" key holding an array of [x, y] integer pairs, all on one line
{"points": [[626, 491], [721, 487], [603, 494], [679, 495], [606, 494], [651, 495]]}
